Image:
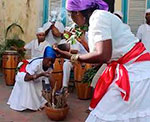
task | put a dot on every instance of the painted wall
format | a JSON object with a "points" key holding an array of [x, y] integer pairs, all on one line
{"points": [[27, 13], [118, 4]]}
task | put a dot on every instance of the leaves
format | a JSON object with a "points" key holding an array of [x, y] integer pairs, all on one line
{"points": [[12, 42], [11, 26], [76, 33], [66, 35], [89, 74]]}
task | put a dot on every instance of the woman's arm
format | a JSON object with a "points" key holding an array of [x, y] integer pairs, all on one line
{"points": [[73, 51], [101, 55], [29, 77], [56, 32]]}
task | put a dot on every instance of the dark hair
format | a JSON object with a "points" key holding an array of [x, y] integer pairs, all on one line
{"points": [[88, 12]]}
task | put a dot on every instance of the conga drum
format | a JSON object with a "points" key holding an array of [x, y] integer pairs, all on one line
{"points": [[84, 91], [10, 60], [58, 72], [79, 70]]}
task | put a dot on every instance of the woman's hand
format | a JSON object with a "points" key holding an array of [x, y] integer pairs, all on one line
{"points": [[55, 31], [62, 53], [55, 47], [46, 74]]}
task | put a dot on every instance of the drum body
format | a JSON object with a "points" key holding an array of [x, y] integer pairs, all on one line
{"points": [[9, 63], [58, 73], [79, 70], [84, 91]]}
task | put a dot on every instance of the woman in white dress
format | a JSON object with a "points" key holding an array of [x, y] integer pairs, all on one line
{"points": [[122, 93], [27, 91]]}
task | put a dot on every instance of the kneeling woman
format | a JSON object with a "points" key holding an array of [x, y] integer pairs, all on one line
{"points": [[26, 93]]}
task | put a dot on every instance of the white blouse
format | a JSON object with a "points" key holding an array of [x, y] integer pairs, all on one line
{"points": [[36, 67], [103, 26]]}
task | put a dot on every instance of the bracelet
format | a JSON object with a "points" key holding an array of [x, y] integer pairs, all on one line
{"points": [[74, 57]]}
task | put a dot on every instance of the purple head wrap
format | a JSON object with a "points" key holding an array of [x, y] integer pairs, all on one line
{"points": [[79, 5]]}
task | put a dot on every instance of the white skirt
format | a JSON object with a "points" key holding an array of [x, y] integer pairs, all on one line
{"points": [[112, 108], [26, 95]]}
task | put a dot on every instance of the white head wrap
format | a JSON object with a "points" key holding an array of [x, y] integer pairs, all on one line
{"points": [[40, 30], [46, 26], [147, 11], [59, 26], [119, 13]]}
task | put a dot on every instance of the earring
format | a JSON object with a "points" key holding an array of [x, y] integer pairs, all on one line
{"points": [[77, 13], [84, 18]]}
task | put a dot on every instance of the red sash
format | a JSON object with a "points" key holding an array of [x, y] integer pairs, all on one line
{"points": [[23, 66], [122, 82]]}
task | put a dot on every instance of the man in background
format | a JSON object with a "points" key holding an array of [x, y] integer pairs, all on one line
{"points": [[143, 32], [37, 46]]}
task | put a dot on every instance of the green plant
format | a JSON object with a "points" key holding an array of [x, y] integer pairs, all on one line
{"points": [[18, 43], [76, 33], [10, 27], [89, 74], [13, 42]]}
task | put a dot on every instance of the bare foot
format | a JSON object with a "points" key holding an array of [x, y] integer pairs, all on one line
{"points": [[88, 111]]}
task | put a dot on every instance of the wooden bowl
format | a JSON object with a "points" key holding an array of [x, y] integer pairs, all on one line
{"points": [[56, 114], [64, 47]]}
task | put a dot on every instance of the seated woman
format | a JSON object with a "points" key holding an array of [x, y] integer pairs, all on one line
{"points": [[26, 93]]}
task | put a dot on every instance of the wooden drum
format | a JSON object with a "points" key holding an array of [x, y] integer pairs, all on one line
{"points": [[58, 72], [84, 91], [79, 70], [9, 63]]}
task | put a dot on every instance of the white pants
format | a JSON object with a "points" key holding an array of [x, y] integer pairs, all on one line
{"points": [[66, 72]]}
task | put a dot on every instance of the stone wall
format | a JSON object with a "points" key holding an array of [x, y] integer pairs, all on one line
{"points": [[26, 13]]}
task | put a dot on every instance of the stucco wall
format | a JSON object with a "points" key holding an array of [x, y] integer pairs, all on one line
{"points": [[118, 5], [26, 13]]}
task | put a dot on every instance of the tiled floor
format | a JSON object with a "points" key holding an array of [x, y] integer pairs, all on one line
{"points": [[76, 112]]}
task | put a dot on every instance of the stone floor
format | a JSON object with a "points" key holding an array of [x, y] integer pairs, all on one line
{"points": [[76, 112]]}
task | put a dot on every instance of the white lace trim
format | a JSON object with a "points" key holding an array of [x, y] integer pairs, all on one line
{"points": [[122, 116]]}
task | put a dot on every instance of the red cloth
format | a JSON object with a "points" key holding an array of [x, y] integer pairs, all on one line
{"points": [[123, 83], [23, 66]]}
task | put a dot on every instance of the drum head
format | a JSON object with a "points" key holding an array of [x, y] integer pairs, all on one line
{"points": [[10, 52]]}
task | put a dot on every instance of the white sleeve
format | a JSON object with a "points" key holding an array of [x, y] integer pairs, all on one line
{"points": [[100, 26], [29, 45], [139, 33]]}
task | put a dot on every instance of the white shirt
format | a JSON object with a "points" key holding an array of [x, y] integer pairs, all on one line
{"points": [[52, 39], [37, 50], [143, 34], [35, 67], [78, 46], [82, 48], [103, 26]]}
